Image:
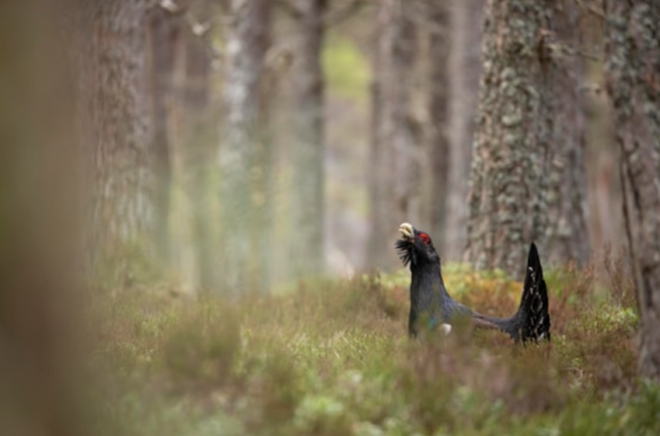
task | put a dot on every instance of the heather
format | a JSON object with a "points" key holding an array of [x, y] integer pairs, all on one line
{"points": [[332, 357]]}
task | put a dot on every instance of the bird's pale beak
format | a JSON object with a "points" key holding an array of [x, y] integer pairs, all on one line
{"points": [[407, 231]]}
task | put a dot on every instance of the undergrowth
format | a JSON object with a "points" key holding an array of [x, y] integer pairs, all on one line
{"points": [[332, 358]]}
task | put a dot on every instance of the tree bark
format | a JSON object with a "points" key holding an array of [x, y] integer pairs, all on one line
{"points": [[378, 226], [193, 131], [568, 232], [43, 368], [247, 42], [164, 33], [466, 22], [438, 123], [395, 170], [307, 149], [115, 107], [198, 137], [507, 197], [632, 45]]}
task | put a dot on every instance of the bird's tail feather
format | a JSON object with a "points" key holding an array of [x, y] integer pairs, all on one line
{"points": [[531, 322], [533, 318]]}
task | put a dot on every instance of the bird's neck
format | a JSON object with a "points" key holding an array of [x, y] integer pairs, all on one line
{"points": [[427, 288]]}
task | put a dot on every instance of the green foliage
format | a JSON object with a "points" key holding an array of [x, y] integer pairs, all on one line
{"points": [[330, 357]]}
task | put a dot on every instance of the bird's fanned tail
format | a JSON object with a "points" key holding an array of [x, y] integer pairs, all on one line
{"points": [[532, 320]]}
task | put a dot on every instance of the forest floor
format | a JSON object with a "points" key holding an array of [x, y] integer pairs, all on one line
{"points": [[332, 357]]}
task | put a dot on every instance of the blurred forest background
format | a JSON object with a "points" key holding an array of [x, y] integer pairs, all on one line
{"points": [[233, 147], [241, 144]]}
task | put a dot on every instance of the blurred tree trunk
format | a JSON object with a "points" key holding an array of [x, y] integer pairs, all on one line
{"points": [[197, 139], [378, 226], [395, 171], [507, 197], [438, 125], [116, 105], [568, 232], [264, 183], [466, 22], [193, 136], [164, 33], [242, 145], [632, 45], [43, 371], [307, 148]]}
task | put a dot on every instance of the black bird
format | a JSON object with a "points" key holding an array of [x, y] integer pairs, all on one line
{"points": [[429, 300]]}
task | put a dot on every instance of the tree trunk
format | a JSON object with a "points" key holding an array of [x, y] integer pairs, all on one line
{"points": [[568, 233], [507, 197], [378, 228], [164, 33], [395, 170], [43, 368], [117, 131], [247, 41], [193, 130], [632, 39], [198, 137], [438, 124], [466, 23], [308, 197]]}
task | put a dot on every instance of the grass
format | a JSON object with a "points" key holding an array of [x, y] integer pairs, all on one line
{"points": [[331, 357]]}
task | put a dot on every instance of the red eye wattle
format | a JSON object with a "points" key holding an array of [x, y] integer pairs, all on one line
{"points": [[424, 237]]}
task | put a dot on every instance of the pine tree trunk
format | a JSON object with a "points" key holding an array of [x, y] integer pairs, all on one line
{"points": [[43, 368], [116, 127], [633, 83], [465, 71], [164, 33], [438, 123], [377, 205], [198, 136], [185, 95], [307, 148], [568, 232], [242, 140], [507, 197], [395, 170]]}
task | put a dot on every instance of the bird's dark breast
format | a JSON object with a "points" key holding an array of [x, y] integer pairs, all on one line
{"points": [[425, 293]]}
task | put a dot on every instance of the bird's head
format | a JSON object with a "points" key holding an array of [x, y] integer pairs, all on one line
{"points": [[415, 247]]}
